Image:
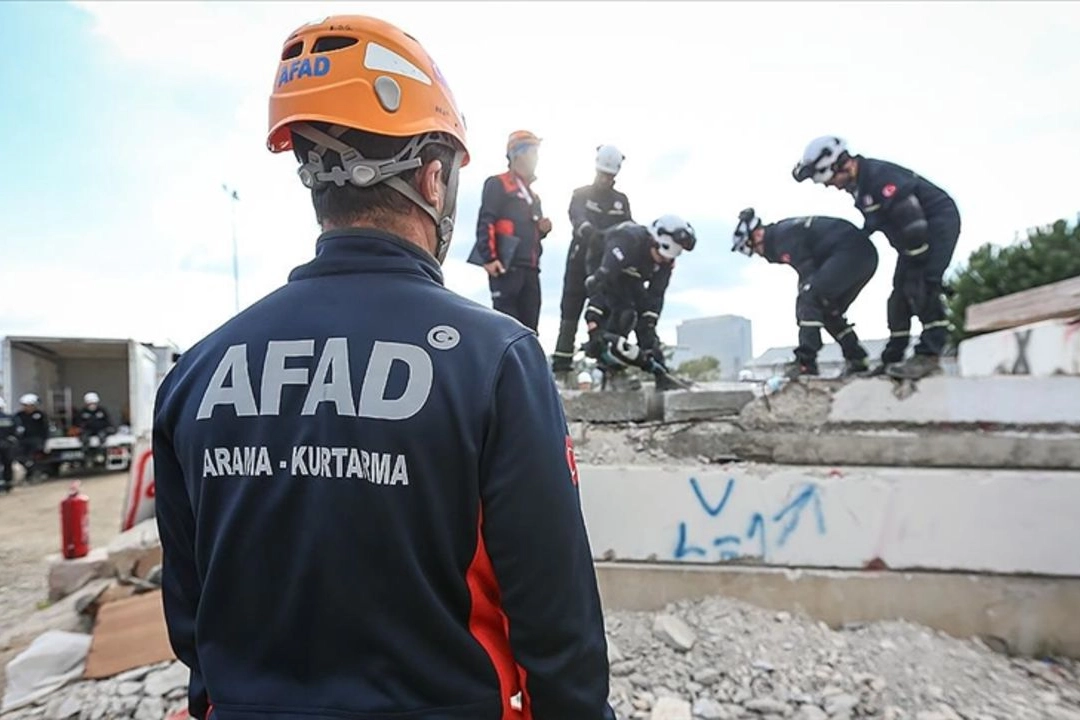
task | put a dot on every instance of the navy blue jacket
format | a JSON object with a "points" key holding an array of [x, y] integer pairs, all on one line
{"points": [[368, 506], [509, 206], [879, 192], [628, 276], [806, 243]]}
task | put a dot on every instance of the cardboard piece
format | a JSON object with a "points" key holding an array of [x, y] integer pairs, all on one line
{"points": [[129, 633]]}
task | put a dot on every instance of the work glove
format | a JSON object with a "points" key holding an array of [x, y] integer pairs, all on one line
{"points": [[596, 345]]}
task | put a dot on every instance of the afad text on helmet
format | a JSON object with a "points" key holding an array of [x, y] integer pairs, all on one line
{"points": [[303, 67]]}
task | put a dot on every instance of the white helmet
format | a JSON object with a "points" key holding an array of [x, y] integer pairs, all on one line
{"points": [[29, 399], [609, 159], [672, 235], [584, 378], [820, 159], [741, 240], [91, 398]]}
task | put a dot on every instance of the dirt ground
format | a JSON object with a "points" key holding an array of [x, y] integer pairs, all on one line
{"points": [[30, 530]]}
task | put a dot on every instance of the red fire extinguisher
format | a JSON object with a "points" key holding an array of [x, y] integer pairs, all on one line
{"points": [[75, 523]]}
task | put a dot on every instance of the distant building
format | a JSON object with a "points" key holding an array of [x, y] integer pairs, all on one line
{"points": [[724, 337], [830, 361]]}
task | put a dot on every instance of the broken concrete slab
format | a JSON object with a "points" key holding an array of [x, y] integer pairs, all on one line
{"points": [[802, 404], [839, 517], [137, 549], [1034, 616], [67, 576], [63, 615], [612, 406], [719, 442], [685, 405], [940, 400]]}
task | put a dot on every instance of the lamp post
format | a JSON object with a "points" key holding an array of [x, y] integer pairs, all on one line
{"points": [[234, 198]]}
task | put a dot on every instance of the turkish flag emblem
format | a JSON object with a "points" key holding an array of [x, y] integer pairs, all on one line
{"points": [[571, 461], [888, 191]]}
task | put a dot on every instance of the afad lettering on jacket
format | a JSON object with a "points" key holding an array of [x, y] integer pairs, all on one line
{"points": [[307, 461], [331, 382], [303, 67]]}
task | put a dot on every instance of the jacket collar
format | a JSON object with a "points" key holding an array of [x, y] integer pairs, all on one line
{"points": [[366, 250]]}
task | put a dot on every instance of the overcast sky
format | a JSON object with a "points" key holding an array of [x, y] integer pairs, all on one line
{"points": [[120, 121]]}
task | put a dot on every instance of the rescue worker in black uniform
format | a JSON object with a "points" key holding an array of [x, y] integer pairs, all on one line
{"points": [[33, 429], [834, 260], [510, 229], [920, 221], [93, 419], [626, 293], [9, 441], [593, 209], [364, 483]]}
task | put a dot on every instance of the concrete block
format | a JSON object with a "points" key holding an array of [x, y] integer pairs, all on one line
{"points": [[62, 615], [996, 521], [67, 576], [612, 406], [1038, 350], [684, 405], [669, 708], [1008, 401], [674, 632], [136, 550], [1027, 615]]}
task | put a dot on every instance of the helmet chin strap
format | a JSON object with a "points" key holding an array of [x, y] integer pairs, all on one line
{"points": [[444, 221]]}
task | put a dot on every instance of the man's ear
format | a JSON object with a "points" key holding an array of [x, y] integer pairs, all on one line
{"points": [[431, 186]]}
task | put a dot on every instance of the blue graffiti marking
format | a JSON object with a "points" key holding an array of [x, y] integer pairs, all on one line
{"points": [[682, 549], [757, 525], [713, 511], [729, 547], [795, 507]]}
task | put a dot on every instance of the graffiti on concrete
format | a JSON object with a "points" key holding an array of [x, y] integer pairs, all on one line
{"points": [[727, 536]]}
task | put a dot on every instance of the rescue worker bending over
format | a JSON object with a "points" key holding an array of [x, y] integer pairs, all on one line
{"points": [[509, 231], [626, 293], [93, 419], [834, 260], [33, 429], [348, 528], [9, 441], [920, 221], [593, 209]]}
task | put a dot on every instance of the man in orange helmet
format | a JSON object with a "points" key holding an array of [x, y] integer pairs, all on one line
{"points": [[509, 231], [349, 529]]}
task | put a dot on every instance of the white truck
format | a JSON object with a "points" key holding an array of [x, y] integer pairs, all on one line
{"points": [[123, 372]]}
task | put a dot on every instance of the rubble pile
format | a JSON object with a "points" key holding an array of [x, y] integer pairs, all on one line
{"points": [[147, 693], [719, 659]]}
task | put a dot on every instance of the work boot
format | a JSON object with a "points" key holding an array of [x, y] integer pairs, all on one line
{"points": [[915, 367], [855, 367], [798, 368]]}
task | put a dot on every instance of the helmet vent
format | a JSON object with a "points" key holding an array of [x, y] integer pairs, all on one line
{"points": [[329, 43], [292, 51]]}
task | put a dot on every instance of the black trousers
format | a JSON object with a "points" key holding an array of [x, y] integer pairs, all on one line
{"points": [[517, 293], [832, 290], [943, 233], [7, 456], [571, 305]]}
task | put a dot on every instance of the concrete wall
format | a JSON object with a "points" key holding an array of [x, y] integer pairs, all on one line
{"points": [[1040, 349], [954, 400], [996, 521], [1026, 615]]}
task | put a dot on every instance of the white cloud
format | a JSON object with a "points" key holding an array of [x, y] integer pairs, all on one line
{"points": [[712, 102]]}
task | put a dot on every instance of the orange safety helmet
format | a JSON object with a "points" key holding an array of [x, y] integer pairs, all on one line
{"points": [[363, 73], [519, 140]]}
